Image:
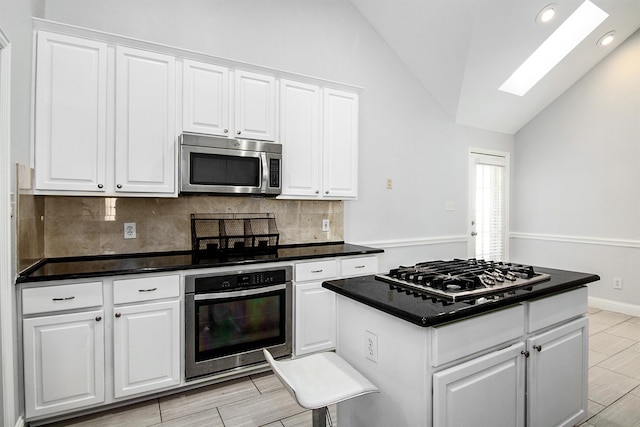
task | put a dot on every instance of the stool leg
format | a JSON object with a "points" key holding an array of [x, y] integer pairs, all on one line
{"points": [[319, 417]]}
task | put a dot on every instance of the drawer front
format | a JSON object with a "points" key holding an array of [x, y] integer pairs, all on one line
{"points": [[358, 266], [556, 308], [61, 297], [317, 270], [146, 289], [466, 337]]}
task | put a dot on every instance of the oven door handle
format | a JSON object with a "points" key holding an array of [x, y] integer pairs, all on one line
{"points": [[243, 293]]}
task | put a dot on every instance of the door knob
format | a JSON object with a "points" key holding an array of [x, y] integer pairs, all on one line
{"points": [[474, 234]]}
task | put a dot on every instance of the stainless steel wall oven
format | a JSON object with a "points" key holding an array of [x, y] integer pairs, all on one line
{"points": [[231, 316]]}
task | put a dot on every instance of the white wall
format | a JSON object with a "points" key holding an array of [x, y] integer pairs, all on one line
{"points": [[404, 134], [577, 179]]}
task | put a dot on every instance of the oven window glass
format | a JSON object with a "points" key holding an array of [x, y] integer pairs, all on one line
{"points": [[232, 325], [216, 169]]}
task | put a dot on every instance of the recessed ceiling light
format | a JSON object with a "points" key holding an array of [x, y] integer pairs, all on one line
{"points": [[546, 14], [607, 38], [563, 40]]}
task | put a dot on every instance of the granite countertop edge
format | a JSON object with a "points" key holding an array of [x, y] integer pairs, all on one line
{"points": [[285, 253], [574, 280]]}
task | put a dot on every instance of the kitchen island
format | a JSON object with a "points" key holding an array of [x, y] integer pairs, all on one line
{"points": [[514, 360]]}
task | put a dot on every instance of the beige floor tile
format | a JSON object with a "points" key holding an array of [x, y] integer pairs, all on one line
{"points": [[205, 398], [266, 382], [625, 412], [636, 391], [635, 320], [605, 387], [609, 344], [210, 418], [260, 410], [140, 415], [609, 317], [627, 362], [626, 330], [595, 327], [635, 347], [276, 424], [305, 420], [593, 310], [596, 357], [594, 408]]}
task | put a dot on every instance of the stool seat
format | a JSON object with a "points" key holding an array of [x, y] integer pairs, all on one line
{"points": [[321, 379]]}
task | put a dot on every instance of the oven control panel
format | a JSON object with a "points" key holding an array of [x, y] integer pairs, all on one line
{"points": [[212, 283]]}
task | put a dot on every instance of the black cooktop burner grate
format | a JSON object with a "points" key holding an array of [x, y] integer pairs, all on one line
{"points": [[462, 280]]}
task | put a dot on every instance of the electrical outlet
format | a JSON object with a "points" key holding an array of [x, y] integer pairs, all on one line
{"points": [[325, 224], [617, 283], [389, 184], [371, 346], [129, 230]]}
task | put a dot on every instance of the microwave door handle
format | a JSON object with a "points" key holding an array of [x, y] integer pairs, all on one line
{"points": [[242, 293], [265, 172]]}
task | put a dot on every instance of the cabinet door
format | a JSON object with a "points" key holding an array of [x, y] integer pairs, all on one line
{"points": [[340, 144], [557, 375], [255, 102], [146, 347], [63, 362], [205, 107], [145, 147], [70, 113], [300, 137], [315, 318], [487, 391]]}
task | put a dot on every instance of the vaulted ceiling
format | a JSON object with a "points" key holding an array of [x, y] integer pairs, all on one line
{"points": [[463, 50]]}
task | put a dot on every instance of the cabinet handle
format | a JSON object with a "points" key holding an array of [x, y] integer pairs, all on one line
{"points": [[63, 299], [148, 290], [525, 353], [317, 192], [119, 186], [317, 271], [98, 318], [239, 132], [100, 185], [359, 266], [118, 315], [538, 347], [226, 131], [326, 192]]}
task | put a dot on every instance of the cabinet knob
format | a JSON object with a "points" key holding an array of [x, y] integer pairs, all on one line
{"points": [[119, 185], [538, 347], [317, 192], [525, 353], [226, 131], [118, 315], [239, 132], [100, 185], [326, 192], [98, 318]]}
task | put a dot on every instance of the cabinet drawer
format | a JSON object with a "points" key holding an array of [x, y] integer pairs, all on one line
{"points": [[464, 338], [61, 297], [358, 266], [145, 289], [557, 308], [317, 270]]}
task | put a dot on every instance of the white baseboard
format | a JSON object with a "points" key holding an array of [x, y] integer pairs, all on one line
{"points": [[618, 307]]}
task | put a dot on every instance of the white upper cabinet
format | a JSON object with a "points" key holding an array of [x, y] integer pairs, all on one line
{"points": [[340, 144], [70, 113], [145, 147], [300, 138], [205, 107], [255, 106]]}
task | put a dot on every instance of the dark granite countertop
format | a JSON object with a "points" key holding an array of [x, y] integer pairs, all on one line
{"points": [[429, 312], [103, 265]]}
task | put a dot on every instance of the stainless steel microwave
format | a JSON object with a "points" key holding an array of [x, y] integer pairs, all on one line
{"points": [[216, 165]]}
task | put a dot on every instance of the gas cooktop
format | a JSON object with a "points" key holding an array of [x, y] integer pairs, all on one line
{"points": [[456, 280]]}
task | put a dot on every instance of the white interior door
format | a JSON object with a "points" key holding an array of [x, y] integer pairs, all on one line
{"points": [[488, 205]]}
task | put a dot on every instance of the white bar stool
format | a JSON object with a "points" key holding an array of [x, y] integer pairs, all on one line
{"points": [[320, 380]]}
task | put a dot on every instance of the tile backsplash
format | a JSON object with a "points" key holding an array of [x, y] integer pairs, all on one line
{"points": [[75, 226]]}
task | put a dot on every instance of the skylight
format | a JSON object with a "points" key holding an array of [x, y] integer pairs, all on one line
{"points": [[564, 39]]}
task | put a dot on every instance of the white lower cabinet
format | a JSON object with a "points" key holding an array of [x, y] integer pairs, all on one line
{"points": [[146, 352], [63, 362], [487, 391], [557, 375]]}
